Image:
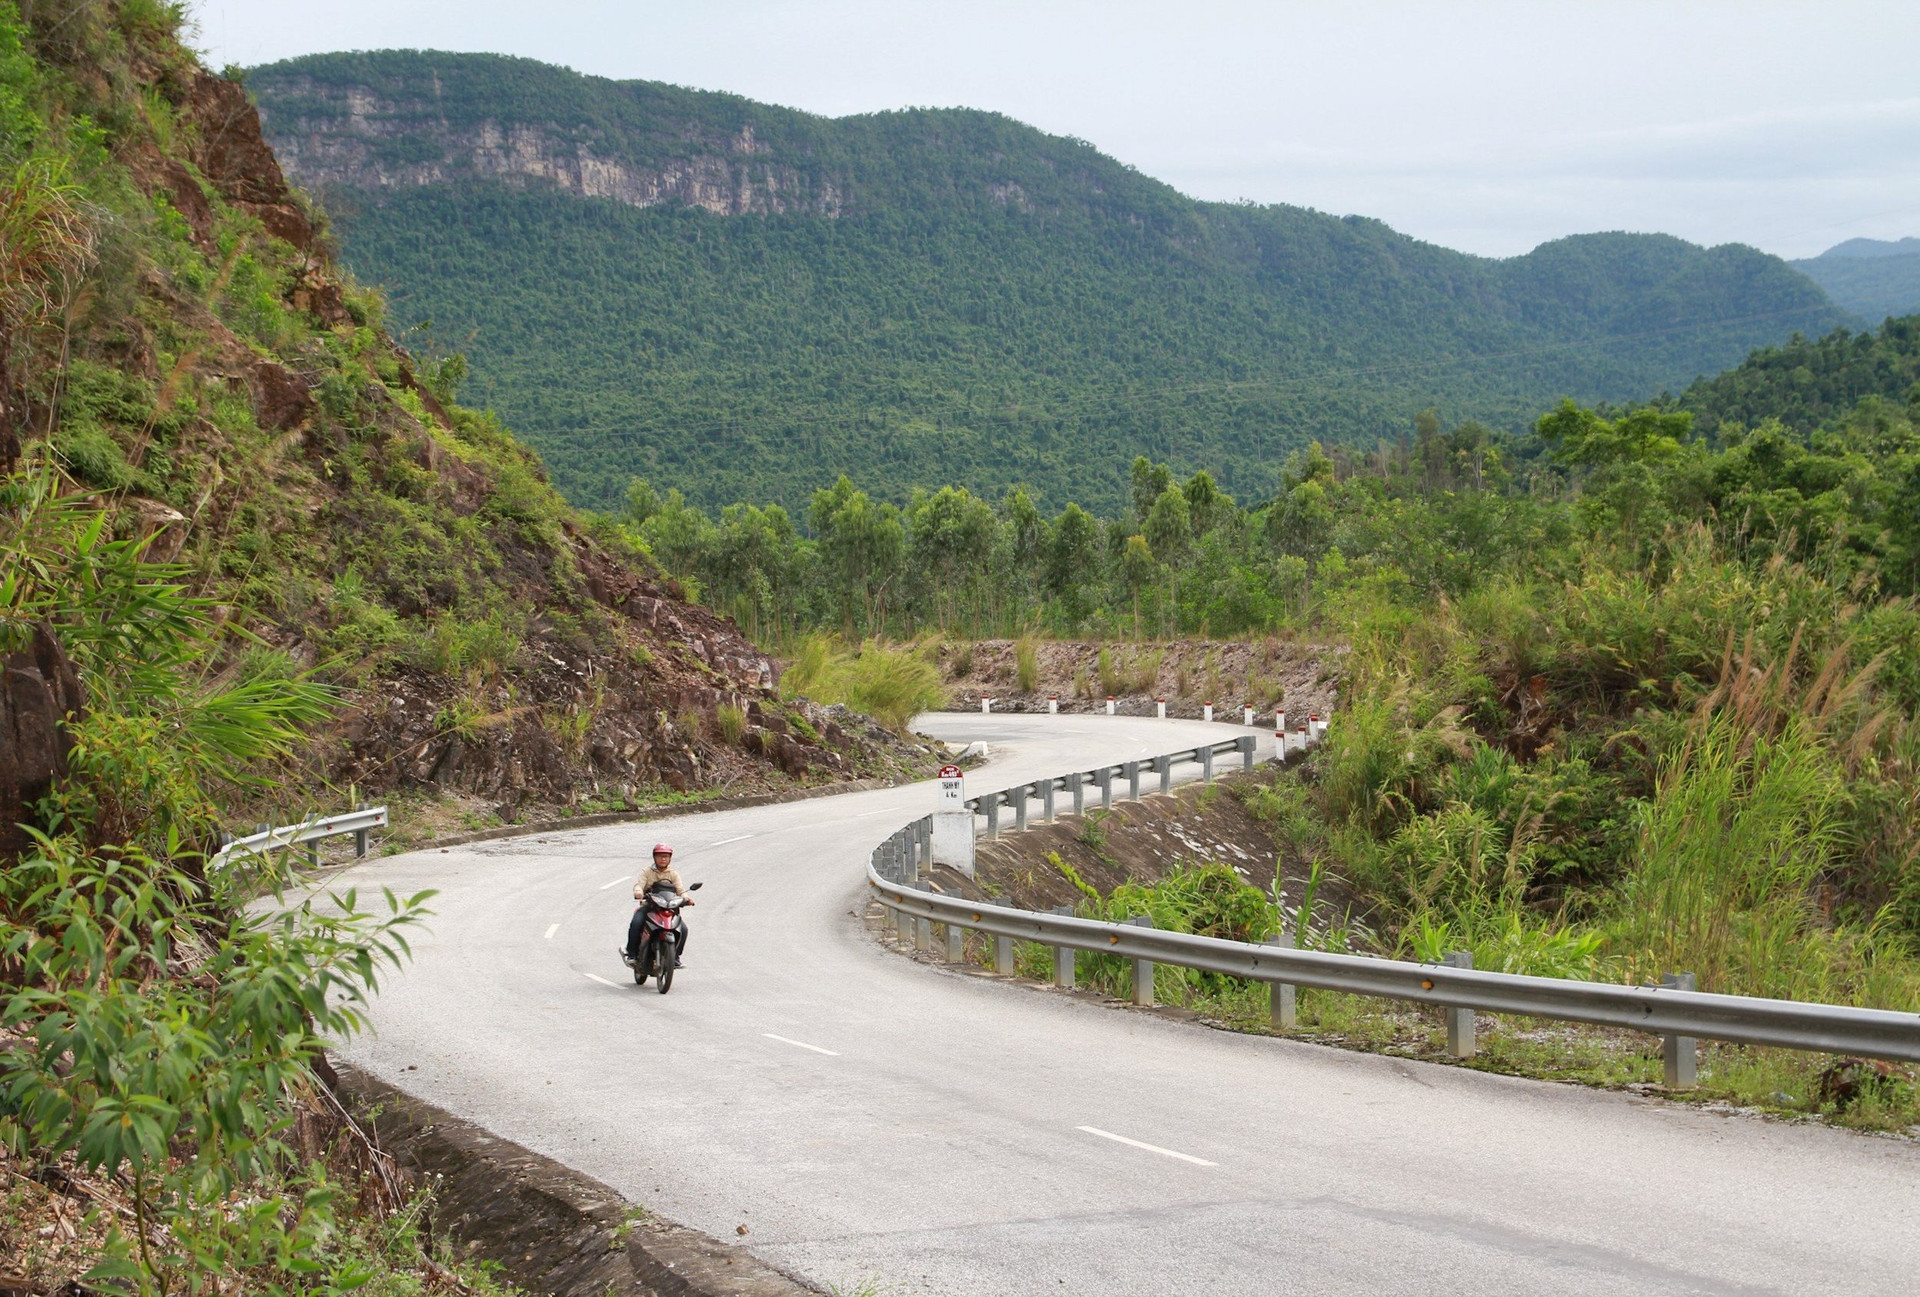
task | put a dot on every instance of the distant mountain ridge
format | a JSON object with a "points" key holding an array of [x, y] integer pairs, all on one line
{"points": [[1874, 278], [1872, 248], [745, 300]]}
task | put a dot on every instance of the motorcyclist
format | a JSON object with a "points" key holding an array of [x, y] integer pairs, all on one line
{"points": [[660, 871]]}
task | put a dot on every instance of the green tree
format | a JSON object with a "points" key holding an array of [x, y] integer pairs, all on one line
{"points": [[1207, 505], [953, 533], [679, 535], [862, 549], [1149, 482], [1073, 560], [1137, 571]]}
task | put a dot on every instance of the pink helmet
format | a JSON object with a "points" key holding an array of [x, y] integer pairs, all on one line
{"points": [[661, 848]]}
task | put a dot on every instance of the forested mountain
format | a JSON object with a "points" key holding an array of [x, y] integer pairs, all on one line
{"points": [[743, 300], [1874, 278], [1805, 383]]}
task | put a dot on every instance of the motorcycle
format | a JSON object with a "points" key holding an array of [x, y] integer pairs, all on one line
{"points": [[659, 936]]}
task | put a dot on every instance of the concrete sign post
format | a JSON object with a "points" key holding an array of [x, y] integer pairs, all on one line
{"points": [[1109, 704], [953, 824]]}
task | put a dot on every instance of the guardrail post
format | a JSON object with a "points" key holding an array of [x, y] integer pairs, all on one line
{"points": [[956, 943], [1281, 994], [1077, 785], [922, 928], [1103, 777], [1003, 947], [1142, 968], [1681, 1054], [1163, 766], [1063, 956], [1020, 796], [990, 803], [1206, 764], [359, 835], [1246, 743], [1046, 799], [1132, 771], [1460, 1040], [903, 925]]}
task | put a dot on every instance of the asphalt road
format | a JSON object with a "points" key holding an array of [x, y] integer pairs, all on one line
{"points": [[871, 1118]]}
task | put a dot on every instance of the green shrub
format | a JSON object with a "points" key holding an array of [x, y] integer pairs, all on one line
{"points": [[730, 722], [893, 684], [1026, 664]]}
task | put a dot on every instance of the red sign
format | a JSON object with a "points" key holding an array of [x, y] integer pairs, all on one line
{"points": [[949, 772]]}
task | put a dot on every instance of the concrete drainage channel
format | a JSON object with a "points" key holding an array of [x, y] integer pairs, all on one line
{"points": [[550, 1229]]}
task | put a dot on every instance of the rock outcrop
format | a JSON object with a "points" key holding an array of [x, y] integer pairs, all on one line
{"points": [[354, 138], [39, 694]]}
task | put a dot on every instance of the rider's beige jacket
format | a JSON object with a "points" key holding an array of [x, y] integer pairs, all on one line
{"points": [[652, 876]]}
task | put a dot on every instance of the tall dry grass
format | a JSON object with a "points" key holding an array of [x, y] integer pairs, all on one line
{"points": [[893, 683]]}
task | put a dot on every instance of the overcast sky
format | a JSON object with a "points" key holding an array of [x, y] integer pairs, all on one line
{"points": [[1483, 126]]}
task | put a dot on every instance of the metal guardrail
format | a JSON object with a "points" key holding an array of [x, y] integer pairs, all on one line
{"points": [[358, 822], [1674, 1011], [1077, 784]]}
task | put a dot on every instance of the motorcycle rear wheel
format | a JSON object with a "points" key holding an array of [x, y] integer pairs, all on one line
{"points": [[663, 960], [639, 966]]}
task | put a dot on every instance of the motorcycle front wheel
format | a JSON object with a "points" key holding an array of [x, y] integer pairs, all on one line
{"points": [[663, 961]]}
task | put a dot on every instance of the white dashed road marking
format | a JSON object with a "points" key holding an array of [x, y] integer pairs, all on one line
{"points": [[1151, 1148], [594, 977], [615, 883], [742, 838], [801, 1043], [551, 929]]}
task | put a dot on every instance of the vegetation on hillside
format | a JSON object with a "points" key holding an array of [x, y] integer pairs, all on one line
{"points": [[946, 296], [1620, 699], [1873, 278], [162, 1127], [249, 549], [1806, 383]]}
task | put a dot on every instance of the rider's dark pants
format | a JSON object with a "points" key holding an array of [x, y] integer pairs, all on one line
{"points": [[637, 928]]}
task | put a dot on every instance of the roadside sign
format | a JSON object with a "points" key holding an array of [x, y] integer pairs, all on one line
{"points": [[949, 772]]}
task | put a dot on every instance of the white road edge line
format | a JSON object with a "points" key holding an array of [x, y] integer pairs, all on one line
{"points": [[728, 841], [1151, 1148], [551, 929], [595, 977], [615, 883], [864, 814], [801, 1043]]}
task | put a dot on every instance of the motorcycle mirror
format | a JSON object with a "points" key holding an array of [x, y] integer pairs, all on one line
{"points": [[693, 887]]}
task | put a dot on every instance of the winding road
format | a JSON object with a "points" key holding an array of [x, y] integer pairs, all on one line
{"points": [[871, 1118]]}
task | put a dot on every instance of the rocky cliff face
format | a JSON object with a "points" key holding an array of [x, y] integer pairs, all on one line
{"points": [[351, 137]]}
